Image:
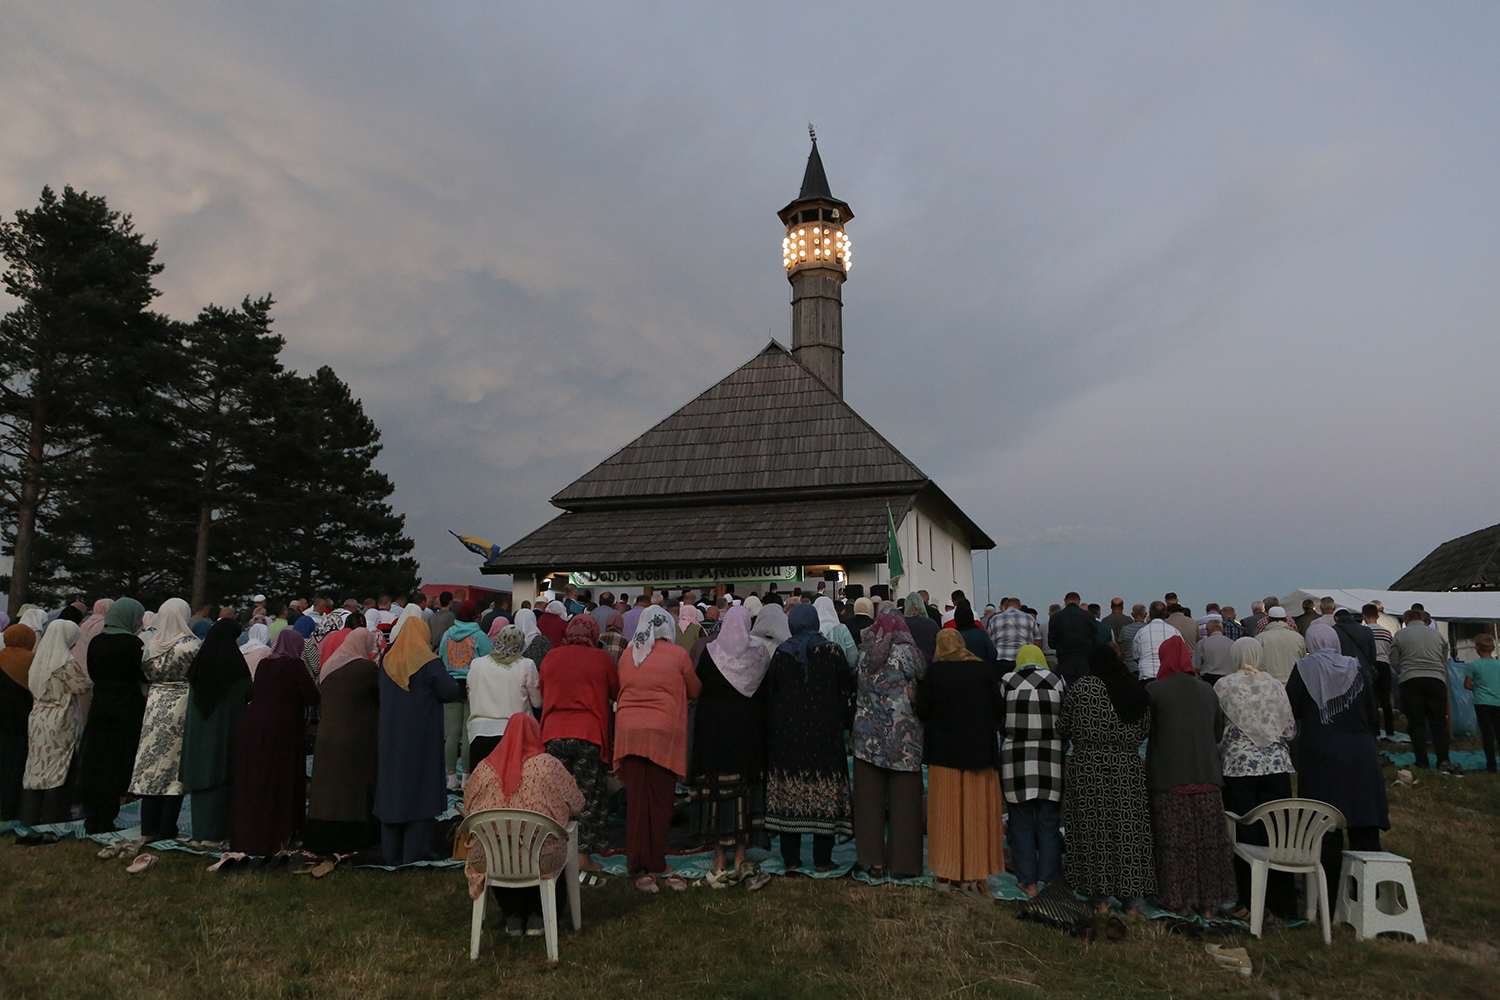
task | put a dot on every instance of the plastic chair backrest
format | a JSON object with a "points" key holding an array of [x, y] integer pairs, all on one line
{"points": [[1295, 828], [512, 840]]}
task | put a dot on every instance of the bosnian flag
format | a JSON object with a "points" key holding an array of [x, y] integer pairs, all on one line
{"points": [[478, 546]]}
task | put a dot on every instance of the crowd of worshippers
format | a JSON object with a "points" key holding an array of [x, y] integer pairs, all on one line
{"points": [[755, 706]]}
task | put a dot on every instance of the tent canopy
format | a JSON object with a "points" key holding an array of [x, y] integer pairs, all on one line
{"points": [[1448, 606]]}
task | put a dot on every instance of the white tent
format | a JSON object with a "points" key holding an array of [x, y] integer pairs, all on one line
{"points": [[1446, 606]]}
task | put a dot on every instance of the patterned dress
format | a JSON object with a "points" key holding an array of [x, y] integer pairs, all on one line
{"points": [[1105, 809], [807, 774], [159, 756], [53, 727]]}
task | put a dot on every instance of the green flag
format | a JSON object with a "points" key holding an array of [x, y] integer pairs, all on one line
{"points": [[893, 557]]}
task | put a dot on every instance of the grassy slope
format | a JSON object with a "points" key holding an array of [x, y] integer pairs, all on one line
{"points": [[71, 926]]}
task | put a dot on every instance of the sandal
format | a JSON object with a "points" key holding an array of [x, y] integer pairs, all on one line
{"points": [[757, 881], [112, 850], [646, 883], [676, 883], [141, 863], [1114, 929]]}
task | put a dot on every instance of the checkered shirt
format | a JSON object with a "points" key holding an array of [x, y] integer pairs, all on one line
{"points": [[1012, 629], [1031, 756], [1233, 630]]}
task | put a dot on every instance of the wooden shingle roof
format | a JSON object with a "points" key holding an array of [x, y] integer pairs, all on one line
{"points": [[770, 427], [1471, 562]]}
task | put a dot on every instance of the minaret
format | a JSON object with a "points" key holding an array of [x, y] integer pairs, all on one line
{"points": [[816, 256]]}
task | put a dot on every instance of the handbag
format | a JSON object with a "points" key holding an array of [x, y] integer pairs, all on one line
{"points": [[1057, 906]]}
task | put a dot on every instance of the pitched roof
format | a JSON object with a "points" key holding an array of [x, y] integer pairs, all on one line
{"points": [[798, 532], [771, 427], [1471, 562]]}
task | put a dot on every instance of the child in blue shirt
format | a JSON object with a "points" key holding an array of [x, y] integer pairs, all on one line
{"points": [[1483, 678]]}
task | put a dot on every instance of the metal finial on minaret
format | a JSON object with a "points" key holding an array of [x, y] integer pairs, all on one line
{"points": [[812, 133]]}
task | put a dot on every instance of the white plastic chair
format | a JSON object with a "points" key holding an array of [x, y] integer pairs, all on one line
{"points": [[1295, 828], [512, 841]]}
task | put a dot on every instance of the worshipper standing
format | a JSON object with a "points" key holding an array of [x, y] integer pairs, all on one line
{"points": [[1211, 658], [1333, 699], [1031, 767], [976, 639], [1382, 637], [1127, 637], [88, 628], [656, 681], [1107, 713], [537, 645], [520, 774], [578, 680], [501, 683], [1281, 645], [728, 783], [835, 630], [442, 619], [1146, 646], [961, 707], [409, 792], [56, 681], [341, 794], [219, 685], [689, 631], [15, 711], [270, 777], [923, 629], [257, 646], [1482, 676], [888, 743], [459, 646], [34, 618], [1193, 868], [329, 644], [807, 777], [1255, 758], [107, 750], [771, 627], [614, 640], [1419, 658], [1072, 632], [1009, 630], [862, 617], [553, 622]]}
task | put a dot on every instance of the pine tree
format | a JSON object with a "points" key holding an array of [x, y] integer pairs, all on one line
{"points": [[71, 354]]}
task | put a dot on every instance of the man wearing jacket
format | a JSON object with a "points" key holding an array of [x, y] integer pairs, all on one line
{"points": [[1072, 632]]}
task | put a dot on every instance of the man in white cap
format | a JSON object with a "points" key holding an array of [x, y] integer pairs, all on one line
{"points": [[1281, 645]]}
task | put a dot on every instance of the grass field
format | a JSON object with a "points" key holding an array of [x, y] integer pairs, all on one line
{"points": [[75, 927]]}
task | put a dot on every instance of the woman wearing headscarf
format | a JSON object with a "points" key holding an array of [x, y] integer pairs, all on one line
{"points": [[578, 680], [807, 775], [976, 639], [341, 794], [520, 774], [961, 707], [729, 732], [923, 629], [1254, 754], [459, 647], [656, 681], [1333, 700], [409, 792], [89, 628], [1193, 868], [169, 652], [270, 776], [15, 712], [614, 640], [835, 630], [689, 631], [219, 683], [771, 627], [553, 623], [56, 681], [34, 618], [1031, 766], [257, 647], [537, 645], [1107, 713], [114, 718], [501, 683], [862, 618], [888, 750], [329, 644]]}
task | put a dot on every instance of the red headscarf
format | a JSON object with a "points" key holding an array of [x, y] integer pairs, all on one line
{"points": [[1175, 658], [467, 611], [583, 630], [521, 742]]}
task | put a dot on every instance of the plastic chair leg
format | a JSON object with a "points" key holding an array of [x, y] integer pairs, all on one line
{"points": [[1323, 906], [476, 924], [1258, 875], [549, 916]]}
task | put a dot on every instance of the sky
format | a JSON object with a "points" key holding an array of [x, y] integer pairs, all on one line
{"points": [[1167, 296]]}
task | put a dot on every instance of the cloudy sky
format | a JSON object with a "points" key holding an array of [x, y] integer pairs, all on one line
{"points": [[1188, 296]]}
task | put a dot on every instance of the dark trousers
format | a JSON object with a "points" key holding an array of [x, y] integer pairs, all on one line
{"points": [[649, 789], [888, 818], [1383, 695], [99, 813], [211, 812], [1426, 699], [159, 817], [45, 805], [405, 843], [1361, 838], [1240, 796], [1488, 717], [1035, 840], [1072, 665], [791, 850], [527, 902]]}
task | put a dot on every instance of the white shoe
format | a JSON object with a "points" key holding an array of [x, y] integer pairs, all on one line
{"points": [[453, 784]]}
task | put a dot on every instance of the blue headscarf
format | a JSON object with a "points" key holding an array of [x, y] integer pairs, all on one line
{"points": [[803, 621], [305, 626]]}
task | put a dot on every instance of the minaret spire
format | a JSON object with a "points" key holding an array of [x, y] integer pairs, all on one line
{"points": [[816, 254]]}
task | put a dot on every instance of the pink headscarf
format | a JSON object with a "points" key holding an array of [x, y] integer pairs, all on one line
{"points": [[90, 627], [495, 626], [740, 657], [359, 644]]}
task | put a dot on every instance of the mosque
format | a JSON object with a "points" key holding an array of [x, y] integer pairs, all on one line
{"points": [[698, 503]]}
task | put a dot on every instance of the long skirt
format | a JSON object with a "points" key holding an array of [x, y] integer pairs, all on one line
{"points": [[965, 834], [649, 788], [581, 758], [1193, 867], [727, 809]]}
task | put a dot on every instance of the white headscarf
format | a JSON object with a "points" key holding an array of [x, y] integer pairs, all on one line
{"points": [[526, 622], [740, 657], [654, 623], [559, 609], [771, 627], [410, 611], [171, 624], [53, 653], [36, 620], [828, 615], [260, 638], [752, 605], [1255, 702]]}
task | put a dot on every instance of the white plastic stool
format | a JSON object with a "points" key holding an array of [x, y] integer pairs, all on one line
{"points": [[1377, 894]]}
